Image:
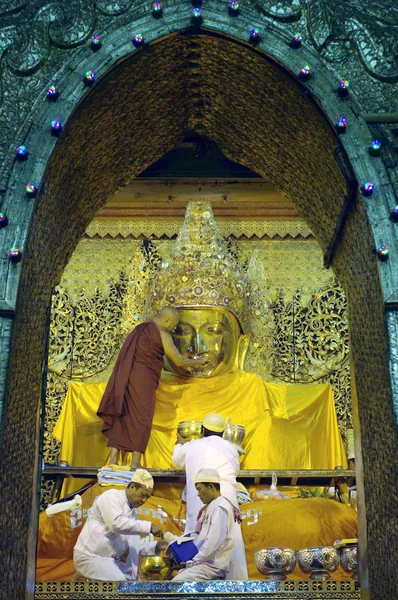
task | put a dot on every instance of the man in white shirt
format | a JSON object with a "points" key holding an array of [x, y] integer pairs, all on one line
{"points": [[112, 533], [214, 536], [212, 451]]}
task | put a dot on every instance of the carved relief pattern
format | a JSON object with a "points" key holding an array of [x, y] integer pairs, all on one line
{"points": [[298, 335], [170, 227], [336, 28], [289, 589], [392, 324]]}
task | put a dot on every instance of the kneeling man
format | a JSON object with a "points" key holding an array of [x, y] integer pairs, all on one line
{"points": [[112, 533], [214, 534]]}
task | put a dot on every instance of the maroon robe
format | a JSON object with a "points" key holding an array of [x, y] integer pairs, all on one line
{"points": [[128, 403]]}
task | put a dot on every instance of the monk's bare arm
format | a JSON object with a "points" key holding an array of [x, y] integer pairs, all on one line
{"points": [[172, 353]]}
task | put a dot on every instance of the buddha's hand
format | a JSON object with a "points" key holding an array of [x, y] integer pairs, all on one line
{"points": [[156, 530]]}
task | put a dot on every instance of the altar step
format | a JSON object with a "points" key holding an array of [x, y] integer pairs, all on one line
{"points": [[239, 590], [304, 477], [286, 477]]}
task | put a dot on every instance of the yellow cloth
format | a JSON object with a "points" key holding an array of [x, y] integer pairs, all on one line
{"points": [[287, 427], [294, 524]]}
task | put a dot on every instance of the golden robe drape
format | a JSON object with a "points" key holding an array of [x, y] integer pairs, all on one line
{"points": [[287, 427]]}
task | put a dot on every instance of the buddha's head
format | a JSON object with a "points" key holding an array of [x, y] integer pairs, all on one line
{"points": [[211, 293], [213, 332]]}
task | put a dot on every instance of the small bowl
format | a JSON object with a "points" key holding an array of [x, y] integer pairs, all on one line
{"points": [[155, 568], [275, 563], [190, 430], [234, 434], [349, 559], [318, 561]]}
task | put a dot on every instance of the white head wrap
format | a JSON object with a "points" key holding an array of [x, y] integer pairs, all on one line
{"points": [[206, 476], [214, 422], [143, 477]]}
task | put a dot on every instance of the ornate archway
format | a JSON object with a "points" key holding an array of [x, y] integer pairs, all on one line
{"points": [[201, 81]]}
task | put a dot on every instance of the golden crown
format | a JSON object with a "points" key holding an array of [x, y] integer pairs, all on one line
{"points": [[201, 270]]}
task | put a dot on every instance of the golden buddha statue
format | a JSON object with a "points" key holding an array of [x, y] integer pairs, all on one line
{"points": [[205, 283], [287, 427]]}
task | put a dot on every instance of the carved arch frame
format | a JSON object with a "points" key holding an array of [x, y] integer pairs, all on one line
{"points": [[276, 45]]}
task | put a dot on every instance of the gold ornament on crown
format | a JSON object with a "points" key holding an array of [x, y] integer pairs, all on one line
{"points": [[201, 271]]}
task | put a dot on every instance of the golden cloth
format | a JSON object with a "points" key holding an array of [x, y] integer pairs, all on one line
{"points": [[287, 427], [297, 523]]}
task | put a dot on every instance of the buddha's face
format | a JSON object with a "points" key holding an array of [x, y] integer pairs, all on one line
{"points": [[206, 331]]}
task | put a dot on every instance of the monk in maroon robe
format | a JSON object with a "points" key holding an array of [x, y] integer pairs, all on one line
{"points": [[128, 403]]}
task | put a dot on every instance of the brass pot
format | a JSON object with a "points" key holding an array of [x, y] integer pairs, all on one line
{"points": [[234, 434], [155, 568], [318, 561], [275, 563], [190, 430]]}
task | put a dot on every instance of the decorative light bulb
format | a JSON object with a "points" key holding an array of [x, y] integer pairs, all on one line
{"points": [[21, 153], [297, 38], [254, 35], [305, 72], [343, 88], [157, 9], [382, 252], [56, 127], [3, 220], [15, 254], [52, 93], [368, 188], [394, 214], [95, 42], [234, 7], [341, 125], [31, 189], [138, 40], [375, 147], [89, 77]]}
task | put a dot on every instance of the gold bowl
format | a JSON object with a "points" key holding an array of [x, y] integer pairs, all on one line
{"points": [[155, 568], [190, 430], [275, 563], [318, 561], [234, 434]]}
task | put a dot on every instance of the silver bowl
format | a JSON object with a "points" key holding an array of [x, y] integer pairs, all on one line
{"points": [[318, 561], [190, 430], [234, 434], [155, 568], [275, 563], [349, 559]]}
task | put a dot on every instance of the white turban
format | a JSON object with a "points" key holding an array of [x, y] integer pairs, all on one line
{"points": [[214, 422], [206, 476], [143, 477]]}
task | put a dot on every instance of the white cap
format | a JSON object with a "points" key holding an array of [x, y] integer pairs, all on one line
{"points": [[214, 422], [143, 477], [351, 454], [206, 476]]}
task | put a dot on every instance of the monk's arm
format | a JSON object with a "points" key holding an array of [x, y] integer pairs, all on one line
{"points": [[172, 353]]}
